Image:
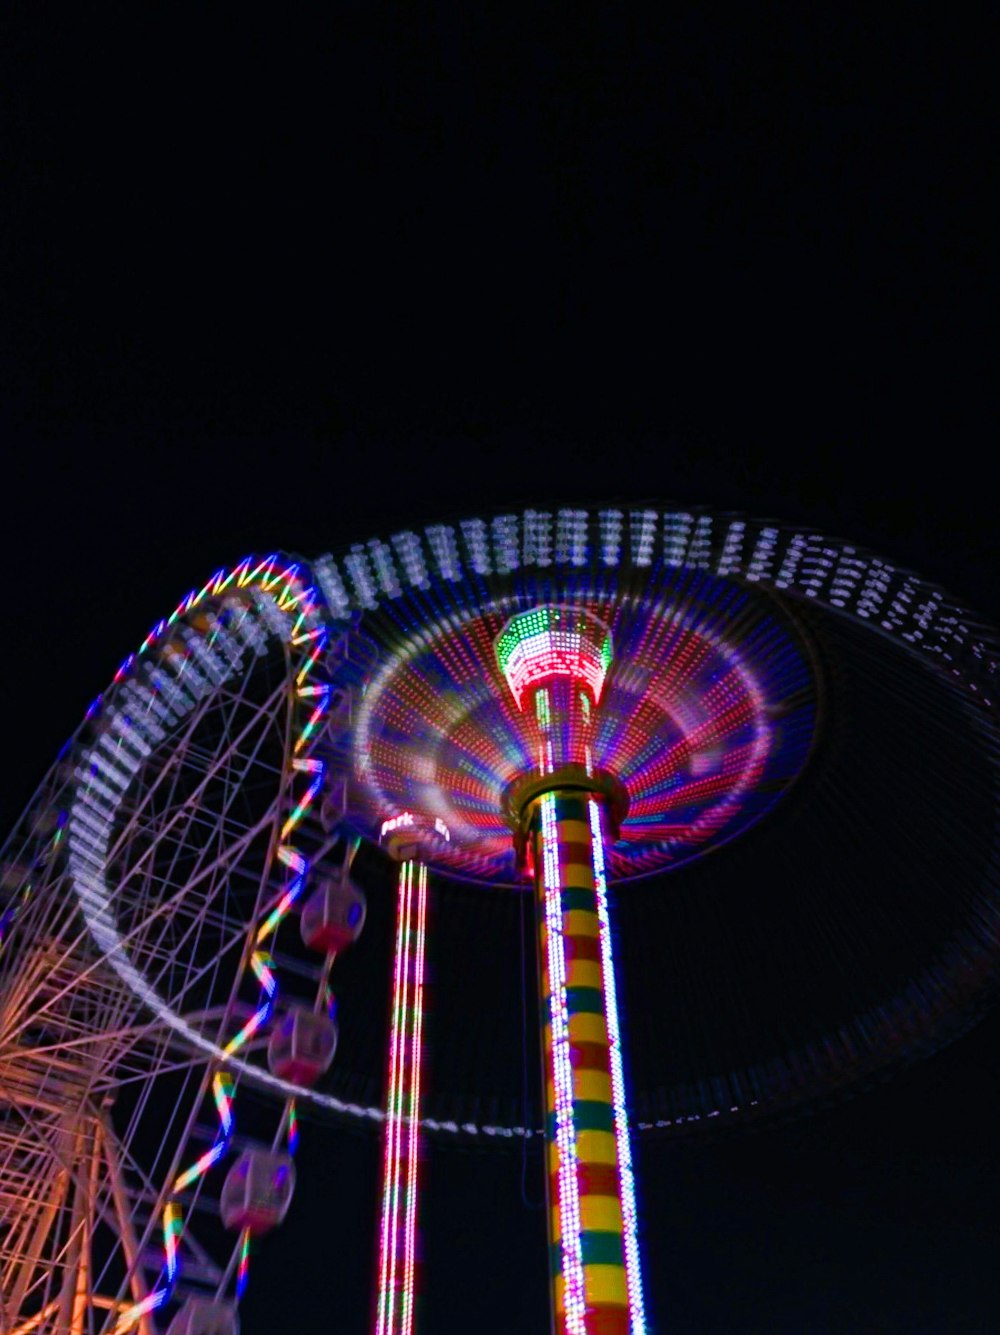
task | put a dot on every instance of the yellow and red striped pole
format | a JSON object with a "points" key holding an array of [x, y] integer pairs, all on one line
{"points": [[592, 1228], [555, 660]]}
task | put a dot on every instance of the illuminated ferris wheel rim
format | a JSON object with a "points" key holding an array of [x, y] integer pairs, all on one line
{"points": [[800, 565]]}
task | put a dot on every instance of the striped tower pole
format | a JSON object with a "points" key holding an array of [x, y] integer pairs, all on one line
{"points": [[394, 1313], [554, 660], [406, 836]]}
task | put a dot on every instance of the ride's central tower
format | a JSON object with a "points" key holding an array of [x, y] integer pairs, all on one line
{"points": [[526, 690], [555, 660]]}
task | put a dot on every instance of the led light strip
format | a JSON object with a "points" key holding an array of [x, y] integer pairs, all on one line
{"points": [[562, 1078], [222, 1091], [173, 1219], [413, 1125], [390, 1174], [626, 1176], [243, 1269], [311, 640], [397, 1232]]}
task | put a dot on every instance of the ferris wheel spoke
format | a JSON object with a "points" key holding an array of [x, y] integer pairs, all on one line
{"points": [[128, 1036], [60, 976], [165, 908], [222, 703], [171, 835], [134, 1204], [50, 1137], [208, 870], [171, 773]]}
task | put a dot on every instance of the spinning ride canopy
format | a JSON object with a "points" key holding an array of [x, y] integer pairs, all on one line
{"points": [[755, 672], [836, 714], [705, 713]]}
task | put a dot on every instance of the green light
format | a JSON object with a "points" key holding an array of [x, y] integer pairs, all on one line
{"points": [[559, 641], [542, 708]]}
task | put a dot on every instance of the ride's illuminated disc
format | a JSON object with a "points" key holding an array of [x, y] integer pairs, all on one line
{"points": [[706, 715]]}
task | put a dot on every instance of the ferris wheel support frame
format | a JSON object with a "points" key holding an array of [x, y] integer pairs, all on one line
{"points": [[57, 1273], [93, 1151]]}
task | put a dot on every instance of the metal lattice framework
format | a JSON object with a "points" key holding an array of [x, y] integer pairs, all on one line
{"points": [[185, 802], [279, 715]]}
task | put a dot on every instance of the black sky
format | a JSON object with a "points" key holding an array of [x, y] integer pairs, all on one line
{"points": [[289, 281]]}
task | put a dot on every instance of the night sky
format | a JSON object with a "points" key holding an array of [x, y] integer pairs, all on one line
{"points": [[293, 282]]}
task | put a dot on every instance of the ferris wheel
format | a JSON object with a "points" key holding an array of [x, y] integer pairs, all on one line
{"points": [[217, 909]]}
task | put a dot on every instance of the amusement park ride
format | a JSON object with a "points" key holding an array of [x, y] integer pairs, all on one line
{"points": [[569, 704]]}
